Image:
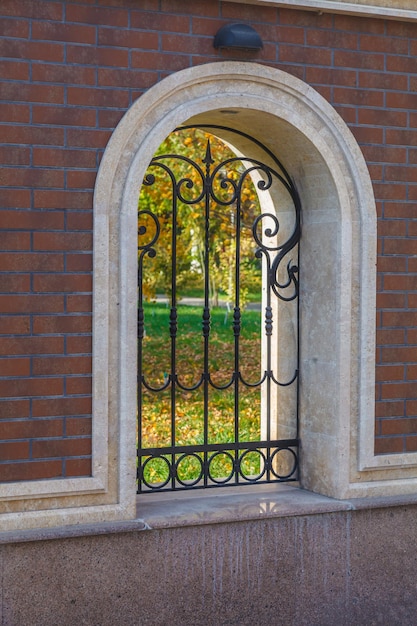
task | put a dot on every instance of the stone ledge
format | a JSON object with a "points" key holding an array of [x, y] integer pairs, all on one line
{"points": [[186, 508]]}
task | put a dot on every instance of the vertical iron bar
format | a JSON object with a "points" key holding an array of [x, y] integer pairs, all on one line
{"points": [[208, 161], [173, 325], [236, 327]]}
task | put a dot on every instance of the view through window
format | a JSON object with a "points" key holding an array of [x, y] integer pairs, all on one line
{"points": [[218, 237]]}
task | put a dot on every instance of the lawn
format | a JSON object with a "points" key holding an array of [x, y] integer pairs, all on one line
{"points": [[189, 410]]}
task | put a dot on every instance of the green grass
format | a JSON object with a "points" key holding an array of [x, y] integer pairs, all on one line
{"points": [[189, 429]]}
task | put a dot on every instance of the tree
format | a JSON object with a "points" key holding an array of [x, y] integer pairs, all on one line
{"points": [[178, 170]]}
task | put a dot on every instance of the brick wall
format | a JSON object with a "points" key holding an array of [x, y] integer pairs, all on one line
{"points": [[70, 70]]}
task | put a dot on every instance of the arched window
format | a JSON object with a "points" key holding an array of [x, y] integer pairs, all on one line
{"points": [[211, 378]]}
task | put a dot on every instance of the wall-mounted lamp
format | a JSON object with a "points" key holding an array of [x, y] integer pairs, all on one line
{"points": [[238, 36]]}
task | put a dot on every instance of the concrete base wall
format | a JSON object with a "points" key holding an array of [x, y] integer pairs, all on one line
{"points": [[345, 568]]}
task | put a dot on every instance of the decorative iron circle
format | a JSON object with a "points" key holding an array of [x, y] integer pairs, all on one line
{"points": [[189, 483], [154, 486], [232, 471], [261, 473], [292, 469]]}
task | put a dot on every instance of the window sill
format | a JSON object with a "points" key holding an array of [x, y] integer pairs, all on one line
{"points": [[232, 504]]}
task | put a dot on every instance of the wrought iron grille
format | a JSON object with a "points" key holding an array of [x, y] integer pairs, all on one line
{"points": [[219, 189]]}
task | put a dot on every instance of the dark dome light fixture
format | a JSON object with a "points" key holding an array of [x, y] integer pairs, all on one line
{"points": [[238, 36]]}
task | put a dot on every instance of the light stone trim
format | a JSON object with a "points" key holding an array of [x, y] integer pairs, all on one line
{"points": [[337, 297], [388, 9]]}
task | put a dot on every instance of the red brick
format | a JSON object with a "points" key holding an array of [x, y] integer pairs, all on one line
{"points": [[412, 229], [64, 116], [49, 73], [79, 262], [79, 220], [358, 24], [359, 97], [392, 264], [14, 325], [392, 228], [51, 157], [372, 80], [19, 387], [14, 112], [31, 262], [368, 134], [398, 390], [32, 93], [398, 426], [185, 44], [61, 447], [51, 31], [30, 471], [401, 283], [398, 318], [402, 64], [14, 283], [412, 371], [388, 373], [25, 177], [14, 70], [156, 60], [14, 155], [78, 426], [97, 15], [39, 220], [119, 37], [399, 209], [12, 451], [86, 55], [382, 117], [14, 367], [17, 198], [412, 336], [62, 283], [304, 54], [81, 180], [31, 304], [52, 324], [79, 344], [389, 445], [163, 22], [109, 118], [390, 301], [412, 300], [78, 467], [87, 138], [79, 304], [382, 43], [79, 385], [14, 241], [104, 97], [411, 444], [391, 191], [19, 429], [14, 28], [400, 246], [57, 407], [385, 336], [48, 366], [229, 10], [31, 345], [33, 135], [304, 18], [62, 241], [126, 78], [360, 60], [399, 355], [401, 137], [331, 76], [34, 50], [33, 8], [48, 199], [11, 409]]}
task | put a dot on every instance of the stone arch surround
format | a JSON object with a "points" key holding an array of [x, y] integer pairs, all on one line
{"points": [[338, 256]]}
